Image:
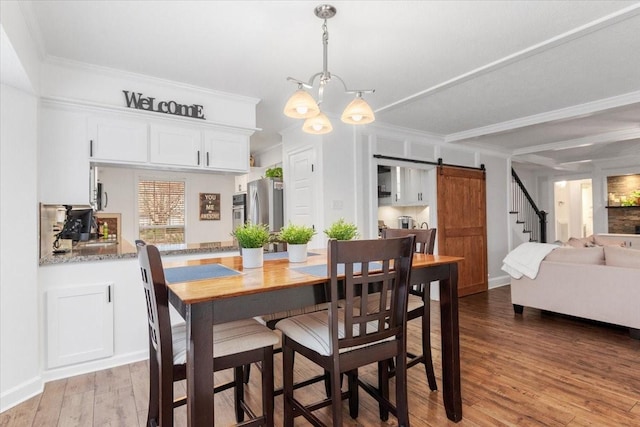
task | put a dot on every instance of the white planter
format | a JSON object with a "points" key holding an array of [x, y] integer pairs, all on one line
{"points": [[252, 257], [297, 253]]}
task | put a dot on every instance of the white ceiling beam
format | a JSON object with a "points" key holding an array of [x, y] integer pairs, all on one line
{"points": [[573, 112], [604, 138], [536, 49]]}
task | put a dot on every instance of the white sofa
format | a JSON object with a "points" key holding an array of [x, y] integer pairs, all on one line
{"points": [[600, 283]]}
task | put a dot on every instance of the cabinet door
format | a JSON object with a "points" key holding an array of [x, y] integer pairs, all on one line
{"points": [[226, 151], [63, 157], [178, 146], [118, 140], [79, 324], [415, 186]]}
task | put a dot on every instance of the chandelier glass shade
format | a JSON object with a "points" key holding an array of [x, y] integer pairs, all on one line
{"points": [[317, 125], [301, 105]]}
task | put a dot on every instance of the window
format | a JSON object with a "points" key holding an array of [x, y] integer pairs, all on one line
{"points": [[161, 211]]}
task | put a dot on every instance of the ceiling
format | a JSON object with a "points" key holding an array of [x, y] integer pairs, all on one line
{"points": [[553, 83]]}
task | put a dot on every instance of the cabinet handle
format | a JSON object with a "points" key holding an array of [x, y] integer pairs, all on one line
{"points": [[207, 158], [91, 148], [109, 293], [198, 157], [106, 199]]}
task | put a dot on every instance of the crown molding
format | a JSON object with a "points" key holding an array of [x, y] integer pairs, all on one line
{"points": [[115, 73]]}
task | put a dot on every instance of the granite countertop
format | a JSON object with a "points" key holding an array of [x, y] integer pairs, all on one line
{"points": [[99, 250]]}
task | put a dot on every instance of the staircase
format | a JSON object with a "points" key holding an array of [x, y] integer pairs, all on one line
{"points": [[527, 214]]}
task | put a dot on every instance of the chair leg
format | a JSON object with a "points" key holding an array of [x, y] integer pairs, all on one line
{"points": [[336, 397], [153, 415], [383, 386], [267, 386], [287, 384], [238, 379], [354, 401], [426, 347], [247, 373], [402, 401]]}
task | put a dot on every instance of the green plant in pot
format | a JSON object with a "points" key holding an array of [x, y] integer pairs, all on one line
{"points": [[342, 230], [296, 237], [251, 238], [275, 172]]}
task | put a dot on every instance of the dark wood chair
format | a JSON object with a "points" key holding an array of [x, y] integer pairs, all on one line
{"points": [[425, 242], [236, 344], [352, 335]]}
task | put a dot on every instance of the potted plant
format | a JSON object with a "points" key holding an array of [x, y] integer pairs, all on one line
{"points": [[342, 230], [296, 237], [251, 239], [274, 172]]}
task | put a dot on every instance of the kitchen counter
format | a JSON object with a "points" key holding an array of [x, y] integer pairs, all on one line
{"points": [[98, 250]]}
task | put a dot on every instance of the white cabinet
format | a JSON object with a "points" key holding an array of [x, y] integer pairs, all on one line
{"points": [[226, 151], [241, 184], [63, 157], [415, 186], [176, 146], [389, 189], [401, 186], [117, 140], [193, 148], [79, 324]]}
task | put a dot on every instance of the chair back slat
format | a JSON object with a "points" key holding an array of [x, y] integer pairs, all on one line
{"points": [[425, 237], [157, 298], [369, 266]]}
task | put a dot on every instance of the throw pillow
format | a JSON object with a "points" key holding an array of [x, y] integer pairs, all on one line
{"points": [[608, 241], [584, 242], [594, 255], [622, 257]]}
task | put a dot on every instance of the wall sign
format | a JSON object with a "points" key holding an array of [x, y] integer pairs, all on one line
{"points": [[209, 206], [136, 100]]}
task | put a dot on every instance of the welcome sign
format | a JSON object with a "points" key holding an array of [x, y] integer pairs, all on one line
{"points": [[140, 102]]}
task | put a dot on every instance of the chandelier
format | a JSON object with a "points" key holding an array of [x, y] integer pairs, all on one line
{"points": [[302, 105]]}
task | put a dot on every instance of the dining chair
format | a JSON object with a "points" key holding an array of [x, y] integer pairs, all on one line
{"points": [[425, 242], [346, 337], [235, 344]]}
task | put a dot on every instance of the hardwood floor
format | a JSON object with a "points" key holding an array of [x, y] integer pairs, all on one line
{"points": [[537, 369]]}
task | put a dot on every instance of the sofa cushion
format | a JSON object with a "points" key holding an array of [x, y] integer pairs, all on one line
{"points": [[622, 257], [594, 255]]}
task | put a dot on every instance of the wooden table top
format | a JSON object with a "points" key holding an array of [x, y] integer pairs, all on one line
{"points": [[274, 275]]}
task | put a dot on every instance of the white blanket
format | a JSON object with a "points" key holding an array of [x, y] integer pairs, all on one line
{"points": [[525, 259]]}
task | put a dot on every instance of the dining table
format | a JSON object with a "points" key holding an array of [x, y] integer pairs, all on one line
{"points": [[210, 291]]}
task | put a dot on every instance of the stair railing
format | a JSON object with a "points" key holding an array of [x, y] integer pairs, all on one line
{"points": [[534, 220]]}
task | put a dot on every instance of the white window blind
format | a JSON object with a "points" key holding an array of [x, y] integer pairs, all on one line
{"points": [[161, 211]]}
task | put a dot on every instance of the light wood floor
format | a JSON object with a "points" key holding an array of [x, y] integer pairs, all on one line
{"points": [[537, 369]]}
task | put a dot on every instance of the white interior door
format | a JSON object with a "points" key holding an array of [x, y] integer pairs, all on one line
{"points": [[302, 191]]}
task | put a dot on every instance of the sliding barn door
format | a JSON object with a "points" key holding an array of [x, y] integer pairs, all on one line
{"points": [[462, 224]]}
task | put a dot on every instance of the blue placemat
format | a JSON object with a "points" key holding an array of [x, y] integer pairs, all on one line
{"points": [[269, 256], [321, 270], [197, 272]]}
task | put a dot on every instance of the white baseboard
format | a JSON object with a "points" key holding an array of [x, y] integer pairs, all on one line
{"points": [[499, 281], [20, 393], [94, 365]]}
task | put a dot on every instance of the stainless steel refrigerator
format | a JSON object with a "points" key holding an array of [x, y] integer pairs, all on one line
{"points": [[265, 203]]}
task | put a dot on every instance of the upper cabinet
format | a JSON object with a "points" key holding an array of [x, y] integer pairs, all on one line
{"points": [[193, 148], [176, 146], [401, 186], [415, 187], [118, 140], [226, 151]]}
